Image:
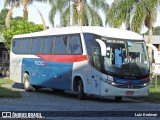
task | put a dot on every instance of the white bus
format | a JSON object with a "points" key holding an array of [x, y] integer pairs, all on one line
{"points": [[88, 60]]}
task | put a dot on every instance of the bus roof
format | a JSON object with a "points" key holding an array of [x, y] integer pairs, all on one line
{"points": [[102, 31]]}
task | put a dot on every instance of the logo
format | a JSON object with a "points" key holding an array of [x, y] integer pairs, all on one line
{"points": [[6, 115]]}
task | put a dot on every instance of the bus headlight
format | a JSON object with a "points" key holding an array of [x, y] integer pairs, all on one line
{"points": [[145, 84], [108, 81]]}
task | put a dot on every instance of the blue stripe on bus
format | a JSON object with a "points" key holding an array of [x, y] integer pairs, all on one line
{"points": [[48, 74], [130, 82]]}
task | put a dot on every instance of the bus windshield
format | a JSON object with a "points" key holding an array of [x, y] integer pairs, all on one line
{"points": [[124, 58]]}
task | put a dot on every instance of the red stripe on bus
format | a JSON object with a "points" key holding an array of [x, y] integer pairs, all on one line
{"points": [[64, 58]]}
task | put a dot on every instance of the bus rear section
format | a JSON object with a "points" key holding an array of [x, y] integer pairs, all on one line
{"points": [[58, 62]]}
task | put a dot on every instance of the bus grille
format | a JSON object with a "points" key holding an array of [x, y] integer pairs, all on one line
{"points": [[130, 86]]}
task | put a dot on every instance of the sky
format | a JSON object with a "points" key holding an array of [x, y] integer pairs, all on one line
{"points": [[44, 9]]}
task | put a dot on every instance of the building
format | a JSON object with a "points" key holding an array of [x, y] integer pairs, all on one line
{"points": [[155, 40]]}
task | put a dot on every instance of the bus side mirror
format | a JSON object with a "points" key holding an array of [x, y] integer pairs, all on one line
{"points": [[103, 47]]}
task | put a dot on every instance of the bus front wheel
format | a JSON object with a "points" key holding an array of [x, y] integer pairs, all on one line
{"points": [[27, 85], [81, 94]]}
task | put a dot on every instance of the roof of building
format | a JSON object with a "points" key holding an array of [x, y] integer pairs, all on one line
{"points": [[103, 31], [155, 39]]}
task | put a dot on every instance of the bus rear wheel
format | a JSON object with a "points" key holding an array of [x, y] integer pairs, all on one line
{"points": [[27, 85], [80, 90], [3, 72], [7, 73]]}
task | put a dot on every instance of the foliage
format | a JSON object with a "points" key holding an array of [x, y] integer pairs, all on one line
{"points": [[78, 12], [119, 13], [19, 26], [134, 13], [24, 3], [2, 19]]}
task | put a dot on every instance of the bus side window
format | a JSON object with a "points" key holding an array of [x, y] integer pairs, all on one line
{"points": [[26, 46], [48, 43], [61, 45], [75, 46], [36, 45], [16, 46]]}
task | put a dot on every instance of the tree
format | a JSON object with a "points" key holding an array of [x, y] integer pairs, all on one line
{"points": [[82, 12], [3, 15], [119, 13], [19, 26], [142, 12], [25, 4]]}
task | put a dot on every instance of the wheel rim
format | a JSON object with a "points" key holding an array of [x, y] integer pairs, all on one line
{"points": [[7, 73], [3, 72], [26, 83]]}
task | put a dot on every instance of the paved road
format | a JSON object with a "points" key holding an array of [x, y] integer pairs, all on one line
{"points": [[47, 100]]}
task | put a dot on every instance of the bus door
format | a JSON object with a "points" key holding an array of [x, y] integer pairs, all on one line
{"points": [[96, 63]]}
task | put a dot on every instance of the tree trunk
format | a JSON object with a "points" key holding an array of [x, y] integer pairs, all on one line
{"points": [[25, 9], [149, 49], [8, 17], [159, 48], [79, 11]]}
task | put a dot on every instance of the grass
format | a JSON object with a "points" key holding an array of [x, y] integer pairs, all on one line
{"points": [[5, 81], [154, 94], [8, 93]]}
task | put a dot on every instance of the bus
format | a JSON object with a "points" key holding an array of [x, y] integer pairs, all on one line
{"points": [[4, 59], [87, 60]]}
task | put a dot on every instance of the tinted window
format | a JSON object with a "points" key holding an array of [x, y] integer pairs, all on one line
{"points": [[48, 43], [61, 45], [16, 46], [26, 45], [90, 42], [36, 45], [75, 45]]}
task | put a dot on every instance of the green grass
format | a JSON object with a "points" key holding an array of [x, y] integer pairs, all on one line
{"points": [[5, 81], [8, 93], [154, 94]]}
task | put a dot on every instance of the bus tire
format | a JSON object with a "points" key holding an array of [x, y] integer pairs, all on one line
{"points": [[7, 73], [3, 72], [80, 90], [118, 98], [27, 86]]}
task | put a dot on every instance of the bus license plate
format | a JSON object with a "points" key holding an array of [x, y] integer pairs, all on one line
{"points": [[129, 92]]}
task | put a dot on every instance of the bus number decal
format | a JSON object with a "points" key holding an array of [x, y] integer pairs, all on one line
{"points": [[39, 62]]}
